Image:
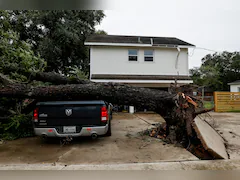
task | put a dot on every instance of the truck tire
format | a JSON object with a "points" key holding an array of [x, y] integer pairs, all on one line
{"points": [[109, 132], [44, 140]]}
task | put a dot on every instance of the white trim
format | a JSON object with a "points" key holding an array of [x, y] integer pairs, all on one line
{"points": [[181, 46], [237, 83], [134, 45], [143, 81]]}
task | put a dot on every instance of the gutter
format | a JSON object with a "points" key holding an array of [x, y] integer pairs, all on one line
{"points": [[176, 63]]}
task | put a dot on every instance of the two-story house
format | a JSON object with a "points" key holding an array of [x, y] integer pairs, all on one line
{"points": [[153, 62]]}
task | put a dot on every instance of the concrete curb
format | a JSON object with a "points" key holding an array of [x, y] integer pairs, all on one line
{"points": [[179, 165]]}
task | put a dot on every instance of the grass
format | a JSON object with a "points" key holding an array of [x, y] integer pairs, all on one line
{"points": [[208, 104], [236, 111]]}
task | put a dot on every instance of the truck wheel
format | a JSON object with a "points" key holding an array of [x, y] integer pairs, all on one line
{"points": [[109, 132]]}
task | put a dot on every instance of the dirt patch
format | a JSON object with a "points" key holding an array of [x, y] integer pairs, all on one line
{"points": [[126, 145]]}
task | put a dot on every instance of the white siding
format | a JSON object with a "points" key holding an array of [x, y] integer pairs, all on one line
{"points": [[235, 88], [114, 60]]}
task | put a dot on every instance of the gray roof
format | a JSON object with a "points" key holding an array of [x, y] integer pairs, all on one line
{"points": [[137, 40], [234, 82]]}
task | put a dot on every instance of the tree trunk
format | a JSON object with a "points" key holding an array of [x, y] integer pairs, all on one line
{"points": [[174, 108]]}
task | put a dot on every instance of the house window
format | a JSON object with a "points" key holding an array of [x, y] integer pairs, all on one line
{"points": [[132, 55], [148, 55], [238, 89]]}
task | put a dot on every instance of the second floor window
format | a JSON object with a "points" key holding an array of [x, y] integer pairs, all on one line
{"points": [[132, 55], [148, 55]]}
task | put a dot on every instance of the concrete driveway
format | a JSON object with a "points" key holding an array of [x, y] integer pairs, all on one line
{"points": [[228, 126], [125, 145]]}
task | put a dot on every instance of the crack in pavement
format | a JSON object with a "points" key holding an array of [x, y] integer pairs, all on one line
{"points": [[64, 154]]}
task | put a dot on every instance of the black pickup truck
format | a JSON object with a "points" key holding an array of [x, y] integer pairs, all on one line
{"points": [[72, 118]]}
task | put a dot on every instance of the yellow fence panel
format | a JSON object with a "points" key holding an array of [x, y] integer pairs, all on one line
{"points": [[227, 101]]}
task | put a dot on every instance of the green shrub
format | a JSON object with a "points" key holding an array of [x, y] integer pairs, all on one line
{"points": [[18, 126]]}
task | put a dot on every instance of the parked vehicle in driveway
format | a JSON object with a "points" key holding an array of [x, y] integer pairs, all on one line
{"points": [[72, 118]]}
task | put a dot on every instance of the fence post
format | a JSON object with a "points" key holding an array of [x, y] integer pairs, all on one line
{"points": [[215, 101]]}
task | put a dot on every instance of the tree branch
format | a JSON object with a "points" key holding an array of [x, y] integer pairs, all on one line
{"points": [[203, 111], [5, 80], [51, 77]]}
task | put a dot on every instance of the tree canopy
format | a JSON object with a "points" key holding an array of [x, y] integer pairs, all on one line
{"points": [[217, 70], [33, 45], [58, 36]]}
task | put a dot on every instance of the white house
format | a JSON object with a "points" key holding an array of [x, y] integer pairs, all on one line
{"points": [[138, 60], [235, 86]]}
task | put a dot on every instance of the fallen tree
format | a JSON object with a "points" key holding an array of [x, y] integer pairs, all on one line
{"points": [[177, 108]]}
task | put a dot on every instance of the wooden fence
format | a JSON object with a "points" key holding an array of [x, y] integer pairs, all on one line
{"points": [[227, 101]]}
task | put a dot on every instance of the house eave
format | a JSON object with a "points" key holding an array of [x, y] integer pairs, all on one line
{"points": [[139, 77], [143, 81], [154, 79], [233, 83]]}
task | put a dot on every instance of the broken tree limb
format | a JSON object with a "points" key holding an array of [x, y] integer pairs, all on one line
{"points": [[56, 78], [51, 77], [29, 106], [203, 111]]}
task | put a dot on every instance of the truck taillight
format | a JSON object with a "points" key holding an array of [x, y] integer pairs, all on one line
{"points": [[104, 114], [35, 115]]}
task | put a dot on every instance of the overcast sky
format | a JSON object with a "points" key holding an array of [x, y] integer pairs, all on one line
{"points": [[210, 24]]}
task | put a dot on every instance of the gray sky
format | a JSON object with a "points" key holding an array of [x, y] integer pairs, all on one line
{"points": [[211, 24]]}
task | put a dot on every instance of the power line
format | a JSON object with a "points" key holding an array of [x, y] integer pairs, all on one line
{"points": [[206, 49], [192, 52]]}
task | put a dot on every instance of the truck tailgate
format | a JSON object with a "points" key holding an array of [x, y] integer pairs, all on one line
{"points": [[70, 115]]}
